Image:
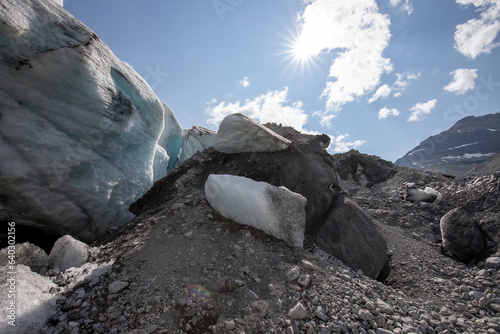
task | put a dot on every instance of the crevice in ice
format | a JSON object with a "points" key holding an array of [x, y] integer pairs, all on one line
{"points": [[20, 61]]}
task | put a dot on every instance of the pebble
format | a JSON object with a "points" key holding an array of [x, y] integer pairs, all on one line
{"points": [[177, 206], [117, 286], [308, 265], [493, 262], [293, 274], [298, 312], [230, 325], [365, 315]]}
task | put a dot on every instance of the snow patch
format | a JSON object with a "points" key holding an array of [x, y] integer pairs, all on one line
{"points": [[468, 156], [415, 151], [457, 147], [34, 301]]}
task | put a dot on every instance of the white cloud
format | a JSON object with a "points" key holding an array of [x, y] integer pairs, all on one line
{"points": [[270, 107], [382, 92], [245, 83], [477, 35], [360, 33], [420, 110], [407, 6], [403, 81], [386, 112], [340, 144], [463, 80]]}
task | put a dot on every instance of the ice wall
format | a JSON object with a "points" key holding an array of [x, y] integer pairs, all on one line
{"points": [[82, 135]]}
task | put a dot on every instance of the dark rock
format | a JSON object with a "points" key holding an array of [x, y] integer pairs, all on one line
{"points": [[461, 235], [365, 170], [305, 168], [349, 235]]}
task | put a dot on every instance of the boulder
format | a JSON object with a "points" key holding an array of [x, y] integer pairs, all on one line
{"points": [[365, 170], [68, 252], [305, 168], [239, 133], [29, 255], [462, 236], [88, 139], [276, 211], [348, 234]]}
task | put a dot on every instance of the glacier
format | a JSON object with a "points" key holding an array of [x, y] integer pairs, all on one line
{"points": [[276, 211], [194, 140], [82, 135]]}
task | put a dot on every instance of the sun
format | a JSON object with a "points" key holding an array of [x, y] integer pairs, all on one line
{"points": [[302, 52], [299, 54]]}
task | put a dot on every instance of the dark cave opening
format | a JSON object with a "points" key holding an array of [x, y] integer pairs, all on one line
{"points": [[22, 233]]}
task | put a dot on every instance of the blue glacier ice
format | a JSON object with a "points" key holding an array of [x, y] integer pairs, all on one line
{"points": [[82, 135]]}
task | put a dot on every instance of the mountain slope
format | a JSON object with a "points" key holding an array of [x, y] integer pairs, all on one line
{"points": [[468, 143]]}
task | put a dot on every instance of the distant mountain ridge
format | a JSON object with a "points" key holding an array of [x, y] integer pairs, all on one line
{"points": [[467, 144]]}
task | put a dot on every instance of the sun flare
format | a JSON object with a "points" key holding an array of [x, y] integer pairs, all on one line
{"points": [[302, 52]]}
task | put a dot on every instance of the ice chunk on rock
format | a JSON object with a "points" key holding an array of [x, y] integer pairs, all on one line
{"points": [[412, 193], [68, 252], [82, 135], [239, 133], [276, 211]]}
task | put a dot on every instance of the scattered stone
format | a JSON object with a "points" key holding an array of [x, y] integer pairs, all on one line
{"points": [[293, 274], [493, 262], [304, 281], [365, 315], [117, 287], [177, 206], [308, 265], [230, 325], [298, 312]]}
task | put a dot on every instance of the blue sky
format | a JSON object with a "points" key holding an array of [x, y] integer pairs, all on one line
{"points": [[378, 76]]}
